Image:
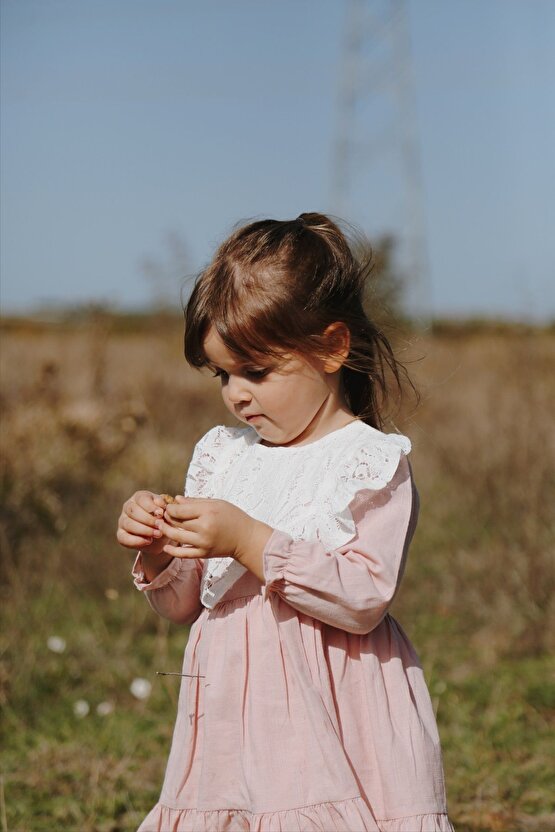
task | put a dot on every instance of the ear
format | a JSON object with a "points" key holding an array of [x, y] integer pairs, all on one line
{"points": [[339, 340]]}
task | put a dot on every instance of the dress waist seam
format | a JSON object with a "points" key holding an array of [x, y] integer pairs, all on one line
{"points": [[229, 600], [169, 805]]}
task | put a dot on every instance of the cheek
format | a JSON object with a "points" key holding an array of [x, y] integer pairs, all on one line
{"points": [[311, 396], [293, 399], [306, 387]]}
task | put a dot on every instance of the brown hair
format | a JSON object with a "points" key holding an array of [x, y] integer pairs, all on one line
{"points": [[274, 286]]}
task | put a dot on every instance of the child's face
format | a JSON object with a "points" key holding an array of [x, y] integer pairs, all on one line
{"points": [[278, 401]]}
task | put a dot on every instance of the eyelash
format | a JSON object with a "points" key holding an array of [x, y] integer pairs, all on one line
{"points": [[255, 374]]}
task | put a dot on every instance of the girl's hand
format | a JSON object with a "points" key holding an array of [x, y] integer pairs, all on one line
{"points": [[208, 528], [137, 523]]}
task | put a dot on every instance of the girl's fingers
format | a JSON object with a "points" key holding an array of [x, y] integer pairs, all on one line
{"points": [[184, 551], [141, 515], [190, 509], [158, 506], [132, 541], [172, 522], [140, 529], [153, 504], [177, 534]]}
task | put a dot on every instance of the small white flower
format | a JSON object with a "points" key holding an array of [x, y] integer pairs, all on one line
{"points": [[111, 594], [140, 688], [81, 708], [56, 644], [104, 708]]}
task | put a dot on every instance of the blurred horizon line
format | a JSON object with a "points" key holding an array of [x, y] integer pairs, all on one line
{"points": [[53, 314]]}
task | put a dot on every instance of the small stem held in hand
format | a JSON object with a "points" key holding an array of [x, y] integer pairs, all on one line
{"points": [[170, 673]]}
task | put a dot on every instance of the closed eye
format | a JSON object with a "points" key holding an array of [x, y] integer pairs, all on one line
{"points": [[257, 373], [250, 373]]}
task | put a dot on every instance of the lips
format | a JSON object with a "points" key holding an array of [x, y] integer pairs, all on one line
{"points": [[252, 416]]}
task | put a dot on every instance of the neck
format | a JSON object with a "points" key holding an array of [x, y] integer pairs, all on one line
{"points": [[332, 414]]}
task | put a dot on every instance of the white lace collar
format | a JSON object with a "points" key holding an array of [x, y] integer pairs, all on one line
{"points": [[304, 490]]}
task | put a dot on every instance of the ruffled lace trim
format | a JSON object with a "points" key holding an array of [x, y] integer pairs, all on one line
{"points": [[343, 816], [304, 491], [205, 459], [370, 466]]}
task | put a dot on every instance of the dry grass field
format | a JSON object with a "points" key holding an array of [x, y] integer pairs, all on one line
{"points": [[92, 413]]}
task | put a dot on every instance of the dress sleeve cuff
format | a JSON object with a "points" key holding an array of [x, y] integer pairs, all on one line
{"points": [[275, 557], [172, 570]]}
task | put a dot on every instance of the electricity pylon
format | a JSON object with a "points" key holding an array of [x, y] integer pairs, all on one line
{"points": [[376, 160]]}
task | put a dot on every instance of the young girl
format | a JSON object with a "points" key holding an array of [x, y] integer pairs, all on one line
{"points": [[303, 704]]}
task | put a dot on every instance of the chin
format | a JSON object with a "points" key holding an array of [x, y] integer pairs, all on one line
{"points": [[269, 436]]}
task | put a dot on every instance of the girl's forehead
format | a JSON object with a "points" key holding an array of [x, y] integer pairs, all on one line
{"points": [[214, 347], [219, 354]]}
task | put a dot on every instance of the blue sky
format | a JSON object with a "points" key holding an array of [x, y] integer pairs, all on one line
{"points": [[127, 122]]}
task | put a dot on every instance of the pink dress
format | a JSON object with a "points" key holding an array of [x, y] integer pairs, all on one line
{"points": [[309, 710]]}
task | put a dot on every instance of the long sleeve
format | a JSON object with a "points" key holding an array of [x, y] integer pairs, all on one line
{"points": [[175, 592], [350, 587]]}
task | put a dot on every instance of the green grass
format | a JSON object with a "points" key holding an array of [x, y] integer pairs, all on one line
{"points": [[476, 599], [104, 773], [95, 772]]}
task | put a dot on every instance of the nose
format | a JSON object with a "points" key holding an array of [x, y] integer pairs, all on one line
{"points": [[237, 390]]}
